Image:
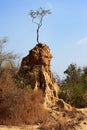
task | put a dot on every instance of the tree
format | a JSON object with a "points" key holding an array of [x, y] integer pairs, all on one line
{"points": [[73, 73], [37, 18], [5, 57], [74, 86]]}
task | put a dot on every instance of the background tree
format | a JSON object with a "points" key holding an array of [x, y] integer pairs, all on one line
{"points": [[6, 57], [73, 74], [74, 86], [37, 18]]}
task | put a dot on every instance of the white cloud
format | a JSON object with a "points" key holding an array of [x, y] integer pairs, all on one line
{"points": [[82, 41]]}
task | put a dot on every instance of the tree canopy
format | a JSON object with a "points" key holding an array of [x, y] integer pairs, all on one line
{"points": [[74, 86], [6, 57]]}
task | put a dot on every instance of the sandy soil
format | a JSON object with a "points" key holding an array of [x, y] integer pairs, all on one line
{"points": [[81, 126], [19, 128], [10, 128]]}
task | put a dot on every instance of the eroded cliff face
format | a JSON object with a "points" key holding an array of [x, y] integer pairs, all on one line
{"points": [[35, 73]]}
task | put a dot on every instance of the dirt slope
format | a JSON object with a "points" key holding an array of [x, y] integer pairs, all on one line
{"points": [[83, 124]]}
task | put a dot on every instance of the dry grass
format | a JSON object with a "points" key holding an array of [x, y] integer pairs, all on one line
{"points": [[20, 106], [24, 107]]}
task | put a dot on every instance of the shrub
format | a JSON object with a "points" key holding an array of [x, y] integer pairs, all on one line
{"points": [[20, 106]]}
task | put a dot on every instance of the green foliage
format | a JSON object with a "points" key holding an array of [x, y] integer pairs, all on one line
{"points": [[74, 86], [78, 96], [39, 13]]}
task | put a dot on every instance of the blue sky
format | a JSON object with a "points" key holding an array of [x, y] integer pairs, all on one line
{"points": [[64, 31]]}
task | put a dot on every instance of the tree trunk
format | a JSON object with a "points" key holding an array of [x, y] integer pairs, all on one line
{"points": [[38, 34], [0, 68]]}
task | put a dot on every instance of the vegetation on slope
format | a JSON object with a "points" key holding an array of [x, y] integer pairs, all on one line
{"points": [[74, 86]]}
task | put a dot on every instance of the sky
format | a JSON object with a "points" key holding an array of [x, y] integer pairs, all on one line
{"points": [[64, 31]]}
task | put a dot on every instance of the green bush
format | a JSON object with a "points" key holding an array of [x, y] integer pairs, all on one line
{"points": [[74, 86]]}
